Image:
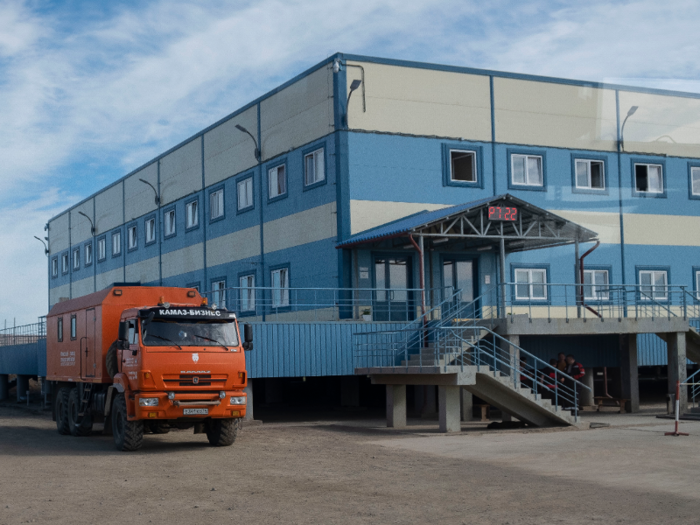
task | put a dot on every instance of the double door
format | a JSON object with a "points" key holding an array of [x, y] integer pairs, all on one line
{"points": [[393, 301], [459, 275]]}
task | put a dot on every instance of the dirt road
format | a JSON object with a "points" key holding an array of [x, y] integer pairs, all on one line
{"points": [[349, 473]]}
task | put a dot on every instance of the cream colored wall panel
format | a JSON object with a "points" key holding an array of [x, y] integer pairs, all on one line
{"points": [[233, 246], [365, 215], [83, 287], [605, 224], [300, 228], [55, 294], [143, 271], [421, 102], [139, 198], [181, 261], [664, 230], [58, 234], [108, 209], [663, 124], [107, 279], [227, 150], [181, 172], [558, 115], [298, 114], [79, 225]]}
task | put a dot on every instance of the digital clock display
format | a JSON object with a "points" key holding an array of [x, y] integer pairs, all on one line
{"points": [[500, 213]]}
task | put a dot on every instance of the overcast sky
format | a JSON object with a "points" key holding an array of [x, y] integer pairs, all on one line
{"points": [[90, 90]]}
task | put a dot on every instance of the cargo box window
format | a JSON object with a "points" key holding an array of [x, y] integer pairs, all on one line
{"points": [[73, 327], [59, 329]]}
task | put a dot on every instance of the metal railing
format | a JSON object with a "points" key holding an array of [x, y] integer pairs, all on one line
{"points": [[693, 381], [24, 334]]}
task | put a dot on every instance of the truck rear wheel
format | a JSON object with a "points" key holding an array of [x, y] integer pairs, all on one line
{"points": [[61, 408], [111, 360], [222, 432], [84, 428], [128, 435]]}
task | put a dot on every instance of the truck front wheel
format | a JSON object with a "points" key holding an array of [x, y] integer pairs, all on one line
{"points": [[84, 428], [128, 435], [222, 432], [62, 423]]}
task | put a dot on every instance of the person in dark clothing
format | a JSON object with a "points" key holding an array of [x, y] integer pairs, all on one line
{"points": [[561, 363], [549, 380], [577, 372]]}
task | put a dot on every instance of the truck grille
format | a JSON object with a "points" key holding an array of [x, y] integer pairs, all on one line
{"points": [[195, 380]]}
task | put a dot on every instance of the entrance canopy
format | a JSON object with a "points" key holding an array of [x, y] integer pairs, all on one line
{"points": [[505, 219]]}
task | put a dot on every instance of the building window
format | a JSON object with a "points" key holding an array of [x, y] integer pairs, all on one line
{"points": [[245, 194], [462, 166], [76, 259], [530, 284], [648, 178], [88, 254], [697, 284], [116, 243], [73, 327], [59, 329], [247, 285], [132, 239], [277, 181], [590, 174], [595, 285], [218, 296], [64, 263], [526, 170], [192, 214], [54, 267], [695, 180], [216, 204], [314, 167], [150, 230], [169, 223], [280, 287], [101, 249], [653, 285]]}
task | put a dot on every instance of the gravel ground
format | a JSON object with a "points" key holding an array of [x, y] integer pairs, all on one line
{"points": [[351, 472]]}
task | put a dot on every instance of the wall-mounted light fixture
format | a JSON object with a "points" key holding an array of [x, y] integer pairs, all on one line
{"points": [[257, 149], [46, 248], [154, 191], [92, 226], [631, 112]]}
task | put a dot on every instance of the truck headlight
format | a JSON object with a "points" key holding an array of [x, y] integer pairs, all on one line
{"points": [[148, 401], [238, 400]]}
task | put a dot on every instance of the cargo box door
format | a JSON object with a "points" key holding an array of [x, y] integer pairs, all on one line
{"points": [[90, 362]]}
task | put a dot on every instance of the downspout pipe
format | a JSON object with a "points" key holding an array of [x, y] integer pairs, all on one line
{"points": [[583, 296]]}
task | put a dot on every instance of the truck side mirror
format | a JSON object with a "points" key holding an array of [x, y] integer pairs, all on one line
{"points": [[247, 336], [123, 333]]}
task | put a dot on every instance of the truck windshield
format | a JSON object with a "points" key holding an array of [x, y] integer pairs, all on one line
{"points": [[189, 333]]}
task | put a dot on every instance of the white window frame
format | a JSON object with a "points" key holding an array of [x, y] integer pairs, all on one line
{"points": [[76, 259], [64, 263], [169, 222], [247, 291], [218, 293], [661, 181], [116, 243], [473, 156], [317, 163], [54, 267], [150, 230], [216, 204], [527, 182], [192, 214], [644, 296], [697, 284], [278, 173], [132, 238], [244, 190], [88, 254], [595, 291], [101, 248], [279, 280], [694, 172], [589, 178], [530, 284]]}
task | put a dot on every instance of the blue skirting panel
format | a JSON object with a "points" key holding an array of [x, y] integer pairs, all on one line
{"points": [[27, 359]]}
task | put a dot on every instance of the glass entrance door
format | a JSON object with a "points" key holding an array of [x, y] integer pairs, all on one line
{"points": [[392, 301], [460, 275]]}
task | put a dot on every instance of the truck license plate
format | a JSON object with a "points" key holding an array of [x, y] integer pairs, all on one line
{"points": [[196, 411]]}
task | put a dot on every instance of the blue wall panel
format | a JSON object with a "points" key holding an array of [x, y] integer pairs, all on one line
{"points": [[27, 359]]}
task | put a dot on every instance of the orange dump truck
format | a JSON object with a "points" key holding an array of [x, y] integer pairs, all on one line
{"points": [[146, 359]]}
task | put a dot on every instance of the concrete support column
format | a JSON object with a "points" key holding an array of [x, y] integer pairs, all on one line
{"points": [[249, 406], [429, 409], [22, 387], [467, 408], [350, 391], [448, 401], [677, 368], [4, 387], [587, 395], [629, 374], [396, 406], [514, 353]]}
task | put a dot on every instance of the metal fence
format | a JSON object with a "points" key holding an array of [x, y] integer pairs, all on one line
{"points": [[24, 334]]}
